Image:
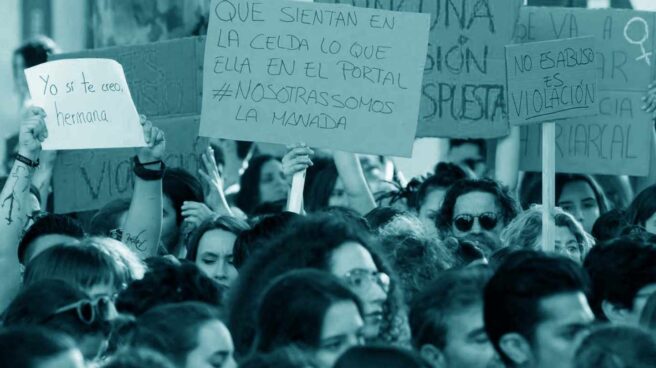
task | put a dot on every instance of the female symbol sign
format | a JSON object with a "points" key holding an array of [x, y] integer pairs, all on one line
{"points": [[645, 55]]}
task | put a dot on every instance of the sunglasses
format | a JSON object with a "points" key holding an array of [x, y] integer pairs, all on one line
{"points": [[360, 278], [88, 311], [465, 222]]}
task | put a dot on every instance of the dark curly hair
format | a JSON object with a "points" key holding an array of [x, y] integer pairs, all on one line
{"points": [[507, 204], [308, 244]]}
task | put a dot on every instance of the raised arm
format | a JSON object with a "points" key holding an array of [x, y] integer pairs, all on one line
{"points": [[143, 224], [355, 184], [14, 209], [507, 159]]}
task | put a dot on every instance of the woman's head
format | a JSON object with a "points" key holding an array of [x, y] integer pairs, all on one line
{"points": [[642, 210], [322, 188], [211, 248], [525, 232], [110, 217], [178, 186], [264, 230], [59, 306], [88, 267], [326, 243], [582, 197], [190, 334], [311, 309], [263, 181], [36, 347]]}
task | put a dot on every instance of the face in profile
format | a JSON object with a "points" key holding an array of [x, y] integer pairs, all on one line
{"points": [[430, 206], [342, 329], [579, 200], [354, 264], [214, 349], [476, 215], [273, 185], [214, 256], [567, 319], [467, 345]]}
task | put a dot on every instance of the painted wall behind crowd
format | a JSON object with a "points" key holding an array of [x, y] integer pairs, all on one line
{"points": [[132, 22]]}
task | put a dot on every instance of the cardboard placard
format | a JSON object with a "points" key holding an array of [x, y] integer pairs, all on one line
{"points": [[551, 80], [87, 104], [336, 77], [617, 141], [165, 80], [86, 180], [463, 93]]}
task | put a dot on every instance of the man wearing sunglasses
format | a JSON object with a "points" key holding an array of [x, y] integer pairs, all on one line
{"points": [[476, 210]]}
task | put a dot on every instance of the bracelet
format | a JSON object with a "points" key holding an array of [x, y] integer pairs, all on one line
{"points": [[27, 161], [146, 174]]}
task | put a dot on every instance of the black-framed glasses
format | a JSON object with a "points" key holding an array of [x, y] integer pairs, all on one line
{"points": [[361, 278], [88, 311], [465, 222]]}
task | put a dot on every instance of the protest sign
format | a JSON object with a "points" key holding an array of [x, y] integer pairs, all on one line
{"points": [[551, 80], [87, 104], [88, 179], [331, 76], [165, 80], [616, 141], [463, 92]]}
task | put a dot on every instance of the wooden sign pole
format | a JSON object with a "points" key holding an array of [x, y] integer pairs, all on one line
{"points": [[548, 185], [295, 199]]}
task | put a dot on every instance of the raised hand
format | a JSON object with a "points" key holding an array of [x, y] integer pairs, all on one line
{"points": [[155, 139], [297, 158], [32, 133]]}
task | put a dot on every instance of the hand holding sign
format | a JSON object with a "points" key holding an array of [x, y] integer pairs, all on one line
{"points": [[155, 139], [87, 104], [32, 133]]}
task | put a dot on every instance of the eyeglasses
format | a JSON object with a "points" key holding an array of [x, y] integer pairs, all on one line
{"points": [[465, 222], [360, 278], [88, 311]]}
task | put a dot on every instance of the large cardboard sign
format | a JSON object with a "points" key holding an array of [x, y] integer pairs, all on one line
{"points": [[551, 80], [617, 141], [165, 81], [331, 76], [87, 104], [463, 93]]}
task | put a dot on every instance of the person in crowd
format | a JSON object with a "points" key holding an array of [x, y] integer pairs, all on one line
{"points": [[380, 356], [263, 231], [47, 231], [110, 217], [623, 274], [642, 211], [446, 320], [263, 181], [432, 190], [64, 308], [137, 358], [211, 248], [168, 281], [36, 347], [609, 225], [179, 187], [328, 243], [189, 334], [417, 257], [380, 217], [476, 209], [312, 310], [525, 232], [582, 197], [616, 347], [536, 311], [470, 154]]}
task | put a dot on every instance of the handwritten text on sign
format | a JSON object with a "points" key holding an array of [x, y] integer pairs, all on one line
{"points": [[617, 140], [332, 76], [87, 102], [551, 80], [463, 91]]}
